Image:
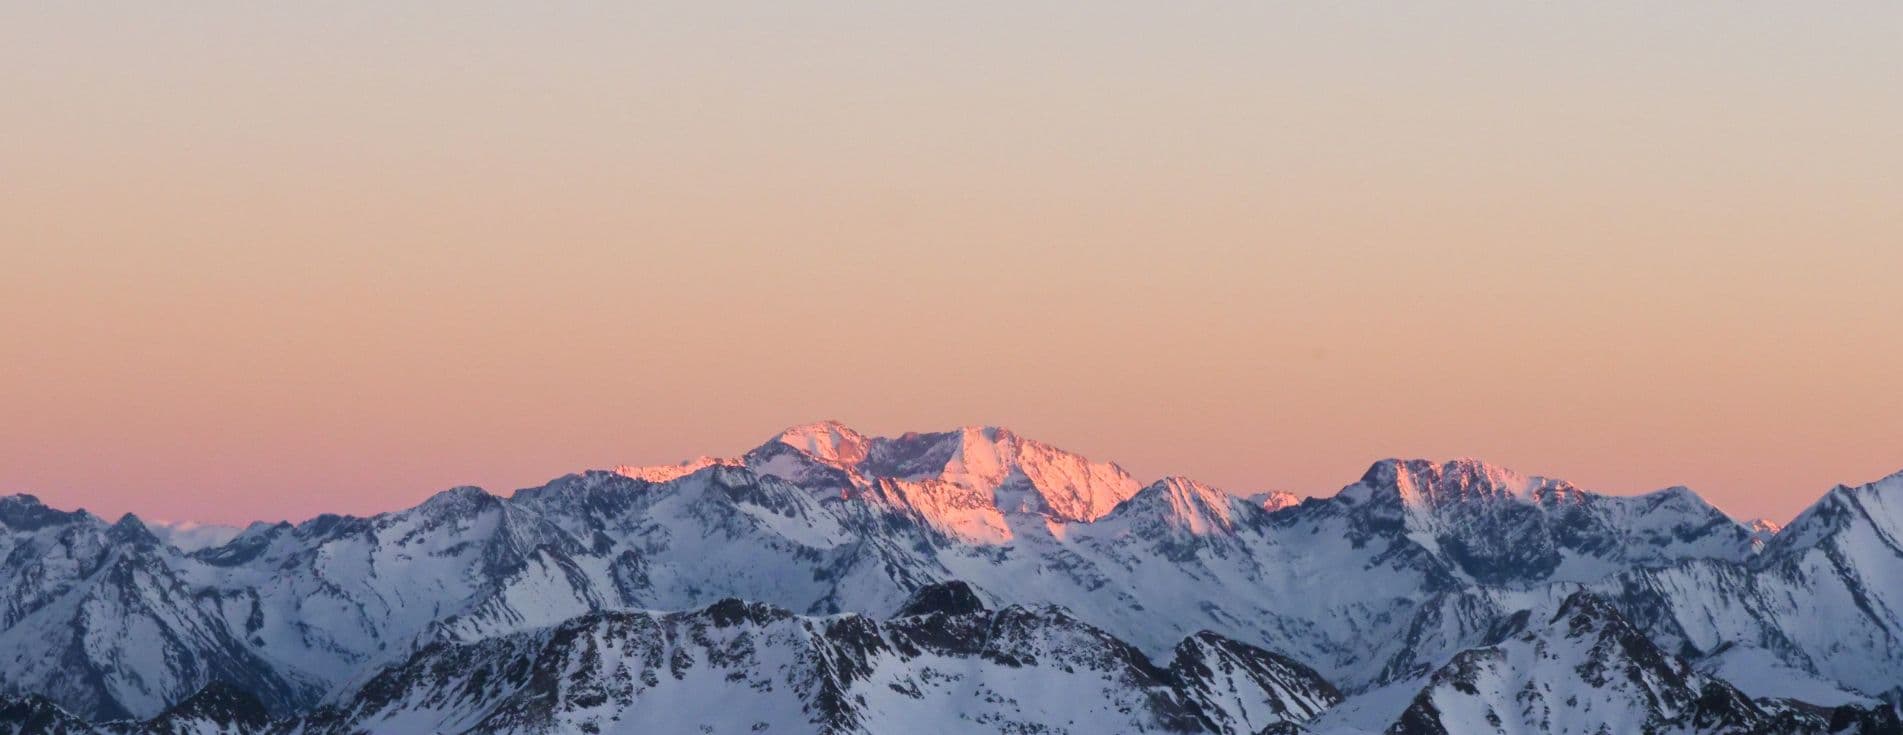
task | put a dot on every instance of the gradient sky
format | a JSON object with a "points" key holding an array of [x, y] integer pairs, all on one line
{"points": [[264, 260]]}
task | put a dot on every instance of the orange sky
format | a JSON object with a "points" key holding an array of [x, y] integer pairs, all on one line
{"points": [[262, 262]]}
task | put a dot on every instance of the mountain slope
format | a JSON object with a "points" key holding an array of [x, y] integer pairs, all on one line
{"points": [[1823, 601], [1376, 587], [946, 665], [1586, 670], [109, 626], [218, 709], [36, 715]]}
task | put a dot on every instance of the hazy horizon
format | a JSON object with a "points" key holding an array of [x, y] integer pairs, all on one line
{"points": [[267, 262]]}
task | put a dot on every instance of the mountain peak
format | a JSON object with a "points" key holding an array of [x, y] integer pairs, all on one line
{"points": [[988, 432], [34, 713], [218, 707], [1587, 671], [1443, 560], [1495, 524], [1883, 491], [1189, 490], [1877, 506], [1019, 475], [667, 472], [1186, 504], [1762, 532], [1587, 605], [1274, 500], [189, 536], [130, 530], [1424, 482], [828, 441], [25, 512], [1681, 497], [462, 496], [953, 597]]}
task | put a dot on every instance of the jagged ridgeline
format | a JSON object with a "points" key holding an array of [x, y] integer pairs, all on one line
{"points": [[965, 581]]}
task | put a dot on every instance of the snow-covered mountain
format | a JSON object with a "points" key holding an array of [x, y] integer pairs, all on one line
{"points": [[945, 663], [1374, 590], [217, 709], [37, 715], [189, 536], [1820, 608], [964, 483], [108, 621], [1584, 670], [1762, 531], [1275, 499]]}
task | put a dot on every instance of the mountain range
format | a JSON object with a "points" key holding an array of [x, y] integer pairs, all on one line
{"points": [[964, 581]]}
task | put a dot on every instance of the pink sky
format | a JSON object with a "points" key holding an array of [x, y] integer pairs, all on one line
{"points": [[265, 262]]}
